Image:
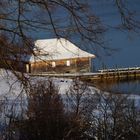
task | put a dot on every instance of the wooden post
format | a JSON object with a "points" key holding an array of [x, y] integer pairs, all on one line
{"points": [[127, 74], [118, 75], [75, 64], [90, 65], [28, 68], [135, 76]]}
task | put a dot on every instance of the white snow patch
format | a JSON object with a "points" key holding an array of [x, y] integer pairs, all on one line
{"points": [[10, 87]]}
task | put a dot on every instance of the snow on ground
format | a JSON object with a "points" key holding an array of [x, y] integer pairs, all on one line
{"points": [[63, 84], [10, 86]]}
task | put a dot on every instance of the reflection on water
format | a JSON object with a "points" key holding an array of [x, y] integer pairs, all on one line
{"points": [[129, 87]]}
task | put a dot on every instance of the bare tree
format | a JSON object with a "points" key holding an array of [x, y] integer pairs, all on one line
{"points": [[128, 17], [48, 117], [116, 118], [64, 18], [20, 19], [79, 103], [44, 117]]}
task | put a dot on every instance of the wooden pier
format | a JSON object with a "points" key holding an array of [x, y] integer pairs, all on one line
{"points": [[100, 75]]}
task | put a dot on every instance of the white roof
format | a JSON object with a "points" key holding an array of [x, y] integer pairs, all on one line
{"points": [[57, 49]]}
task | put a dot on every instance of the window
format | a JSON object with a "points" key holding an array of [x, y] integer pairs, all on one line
{"points": [[53, 64], [68, 63]]}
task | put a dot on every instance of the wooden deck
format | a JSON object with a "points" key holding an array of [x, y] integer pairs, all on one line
{"points": [[100, 75]]}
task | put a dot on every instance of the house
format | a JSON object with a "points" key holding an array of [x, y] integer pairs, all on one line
{"points": [[58, 56]]}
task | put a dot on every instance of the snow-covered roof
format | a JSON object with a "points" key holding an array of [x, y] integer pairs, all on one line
{"points": [[57, 49]]}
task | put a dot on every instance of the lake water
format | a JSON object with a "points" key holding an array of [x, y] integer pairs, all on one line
{"points": [[122, 87]]}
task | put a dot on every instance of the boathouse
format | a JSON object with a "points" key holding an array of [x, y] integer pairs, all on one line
{"points": [[58, 56]]}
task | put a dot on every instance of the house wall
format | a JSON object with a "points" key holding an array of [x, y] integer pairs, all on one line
{"points": [[74, 65]]}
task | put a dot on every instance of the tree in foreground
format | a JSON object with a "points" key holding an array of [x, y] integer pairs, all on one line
{"points": [[81, 114], [47, 117], [116, 118], [45, 114]]}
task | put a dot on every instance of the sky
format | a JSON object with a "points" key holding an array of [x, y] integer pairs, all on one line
{"points": [[127, 44]]}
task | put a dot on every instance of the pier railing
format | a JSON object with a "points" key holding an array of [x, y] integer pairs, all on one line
{"points": [[120, 69]]}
